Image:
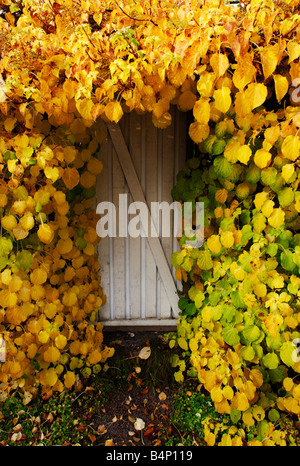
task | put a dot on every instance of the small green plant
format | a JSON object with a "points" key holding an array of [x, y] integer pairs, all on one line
{"points": [[63, 419], [191, 408]]}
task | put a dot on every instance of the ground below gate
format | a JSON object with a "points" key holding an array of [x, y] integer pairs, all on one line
{"points": [[136, 404]]}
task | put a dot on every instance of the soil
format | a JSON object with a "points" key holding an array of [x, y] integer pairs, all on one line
{"points": [[136, 412]]}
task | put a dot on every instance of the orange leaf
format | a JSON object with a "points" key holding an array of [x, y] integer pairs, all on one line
{"points": [[70, 177]]}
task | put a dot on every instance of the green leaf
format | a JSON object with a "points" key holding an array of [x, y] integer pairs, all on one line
{"points": [[237, 299], [287, 262], [272, 249], [235, 415], [231, 336], [3, 262], [274, 343], [214, 297], [251, 333], [179, 376], [273, 415], [286, 196], [268, 175], [24, 260], [218, 146], [286, 353], [204, 260], [176, 259], [6, 246], [182, 303], [222, 167], [190, 309], [216, 313], [270, 360], [276, 375], [247, 353]]}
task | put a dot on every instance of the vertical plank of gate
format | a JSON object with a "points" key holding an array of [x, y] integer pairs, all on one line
{"points": [[167, 184], [134, 143], [119, 243], [151, 196], [102, 195], [124, 125]]}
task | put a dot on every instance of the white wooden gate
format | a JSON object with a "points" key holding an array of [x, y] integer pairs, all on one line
{"points": [[136, 273]]}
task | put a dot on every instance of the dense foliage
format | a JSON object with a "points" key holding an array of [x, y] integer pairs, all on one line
{"points": [[68, 62]]}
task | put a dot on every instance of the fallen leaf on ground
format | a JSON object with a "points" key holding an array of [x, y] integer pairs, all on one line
{"points": [[145, 352]]}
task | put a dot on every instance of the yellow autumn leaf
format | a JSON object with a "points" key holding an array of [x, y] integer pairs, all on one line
{"points": [[219, 63], [221, 195], [291, 147], [262, 158], [244, 153], [38, 276], [84, 107], [87, 179], [222, 99], [9, 124], [245, 72], [293, 49], [201, 111], [95, 357], [260, 290], [60, 341], [49, 377], [95, 166], [160, 107], [231, 151], [9, 222], [69, 299], [267, 207], [8, 298], [273, 322], [288, 384], [198, 132], [213, 243], [269, 59], [272, 134], [64, 246], [71, 177], [19, 232], [45, 233], [281, 86], [52, 354], [228, 392], [21, 140], [69, 379], [256, 94], [162, 122], [277, 218], [186, 101], [43, 336], [260, 199], [227, 239], [291, 405], [216, 394], [114, 111], [240, 402], [52, 173], [248, 419], [287, 172]]}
